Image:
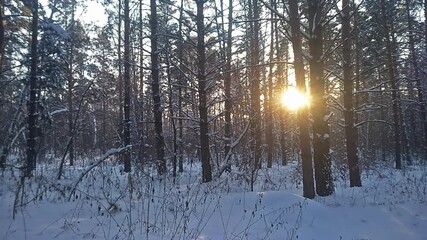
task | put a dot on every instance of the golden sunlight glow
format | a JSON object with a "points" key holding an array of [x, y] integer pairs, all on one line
{"points": [[294, 99]]}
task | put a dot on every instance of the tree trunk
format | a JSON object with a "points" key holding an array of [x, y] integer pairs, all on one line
{"points": [[303, 122], [414, 63], [127, 89], [141, 89], [254, 79], [120, 83], [350, 130], [70, 88], [160, 142], [394, 96], [282, 54], [4, 147], [269, 139], [33, 98], [322, 158], [203, 109], [227, 83], [2, 22], [180, 98], [172, 114]]}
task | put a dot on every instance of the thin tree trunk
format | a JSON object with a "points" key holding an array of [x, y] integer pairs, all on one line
{"points": [[350, 129], [322, 158], [303, 122], [227, 83], [254, 77], [203, 109], [269, 139], [282, 81], [394, 96], [158, 111], [33, 98], [127, 89], [172, 116], [141, 88], [120, 84], [2, 29], [180, 98], [357, 64], [70, 88], [4, 149]]}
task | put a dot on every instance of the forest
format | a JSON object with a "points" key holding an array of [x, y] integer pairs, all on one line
{"points": [[213, 119]]}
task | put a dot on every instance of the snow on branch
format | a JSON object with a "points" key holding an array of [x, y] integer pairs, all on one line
{"points": [[62, 33], [58, 111], [227, 165], [109, 153]]}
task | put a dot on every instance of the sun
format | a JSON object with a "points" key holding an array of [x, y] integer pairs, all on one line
{"points": [[294, 99]]}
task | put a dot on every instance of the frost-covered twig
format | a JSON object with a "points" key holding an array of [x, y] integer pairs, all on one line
{"points": [[101, 159], [227, 165]]}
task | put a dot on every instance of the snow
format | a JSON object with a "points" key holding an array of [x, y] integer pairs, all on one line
{"points": [[391, 205], [58, 111], [62, 33], [328, 116]]}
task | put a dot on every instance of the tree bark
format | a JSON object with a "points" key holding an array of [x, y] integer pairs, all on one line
{"points": [[120, 83], [254, 79], [158, 111], [33, 98], [127, 89], [394, 96], [180, 87], [172, 114], [141, 89], [269, 108], [414, 63], [203, 109], [70, 88], [4, 148], [2, 30], [303, 122], [282, 54], [350, 129], [227, 83], [322, 158]]}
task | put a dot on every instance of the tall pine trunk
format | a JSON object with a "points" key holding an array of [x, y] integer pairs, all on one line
{"points": [[3, 147], [127, 88], [282, 81], [394, 96], [141, 149], [180, 87], [203, 108], [120, 80], [254, 78], [70, 87], [227, 83], [172, 113], [155, 84], [350, 129], [416, 74], [2, 30], [322, 158], [303, 121], [33, 98], [269, 139]]}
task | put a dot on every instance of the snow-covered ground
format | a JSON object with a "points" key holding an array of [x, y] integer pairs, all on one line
{"points": [[391, 205]]}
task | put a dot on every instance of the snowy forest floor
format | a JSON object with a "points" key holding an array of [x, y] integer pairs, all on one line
{"points": [[108, 204]]}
